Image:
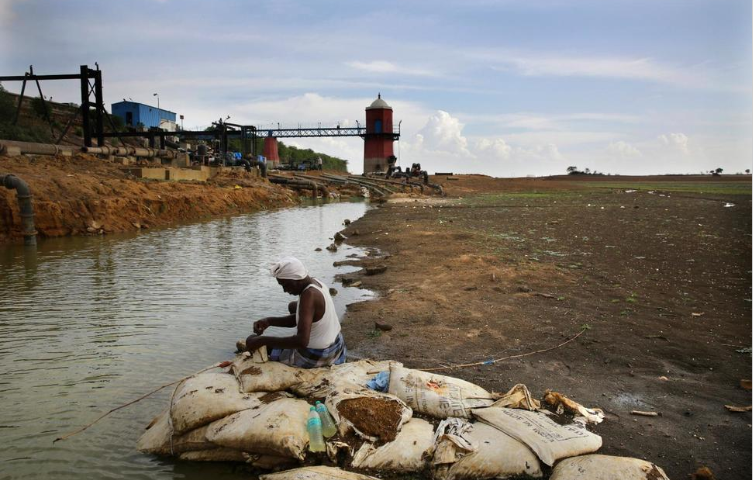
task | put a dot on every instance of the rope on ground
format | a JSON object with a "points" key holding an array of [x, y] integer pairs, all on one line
{"points": [[65, 437], [495, 360]]}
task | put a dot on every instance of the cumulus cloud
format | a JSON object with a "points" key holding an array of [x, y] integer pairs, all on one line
{"points": [[496, 147], [443, 133], [678, 141], [623, 149]]}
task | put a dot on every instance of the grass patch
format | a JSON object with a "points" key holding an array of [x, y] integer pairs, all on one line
{"points": [[507, 197], [742, 187], [374, 333]]}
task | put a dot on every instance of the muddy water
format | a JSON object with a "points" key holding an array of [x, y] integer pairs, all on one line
{"points": [[87, 324]]}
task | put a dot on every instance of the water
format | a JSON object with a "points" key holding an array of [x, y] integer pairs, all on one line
{"points": [[87, 324]]}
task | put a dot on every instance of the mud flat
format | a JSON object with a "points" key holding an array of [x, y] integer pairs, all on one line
{"points": [[655, 269]]}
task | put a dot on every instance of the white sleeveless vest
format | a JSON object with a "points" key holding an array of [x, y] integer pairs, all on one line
{"points": [[325, 331]]}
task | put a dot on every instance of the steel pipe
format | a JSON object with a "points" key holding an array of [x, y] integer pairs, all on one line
{"points": [[23, 193]]}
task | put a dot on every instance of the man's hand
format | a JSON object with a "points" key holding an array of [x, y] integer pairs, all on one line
{"points": [[253, 343], [260, 326]]}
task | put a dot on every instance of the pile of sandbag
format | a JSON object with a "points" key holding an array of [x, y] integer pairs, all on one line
{"points": [[256, 413]]}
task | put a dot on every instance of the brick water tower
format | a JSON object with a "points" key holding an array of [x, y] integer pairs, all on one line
{"points": [[377, 145]]}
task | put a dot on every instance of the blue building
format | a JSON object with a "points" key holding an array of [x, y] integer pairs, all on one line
{"points": [[134, 113]]}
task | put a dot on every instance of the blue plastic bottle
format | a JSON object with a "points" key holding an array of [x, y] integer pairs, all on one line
{"points": [[314, 427], [329, 428]]}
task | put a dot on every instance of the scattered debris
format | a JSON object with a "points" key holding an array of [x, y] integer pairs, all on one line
{"points": [[699, 314], [318, 249], [735, 408], [660, 337], [745, 384], [518, 397], [546, 295], [346, 222], [641, 413], [339, 237], [332, 247], [332, 291], [562, 403], [745, 350]]}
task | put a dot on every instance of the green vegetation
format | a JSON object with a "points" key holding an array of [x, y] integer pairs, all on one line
{"points": [[374, 333], [23, 133], [36, 132], [742, 187], [488, 199], [40, 107], [294, 155]]}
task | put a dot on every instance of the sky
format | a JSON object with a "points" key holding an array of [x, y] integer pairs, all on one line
{"points": [[508, 88]]}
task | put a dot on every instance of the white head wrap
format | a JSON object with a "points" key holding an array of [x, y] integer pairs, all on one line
{"points": [[289, 268]]}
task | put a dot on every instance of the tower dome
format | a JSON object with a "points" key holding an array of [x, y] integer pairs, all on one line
{"points": [[379, 104]]}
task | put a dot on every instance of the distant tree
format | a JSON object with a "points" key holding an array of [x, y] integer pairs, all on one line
{"points": [[587, 171], [7, 107], [572, 169], [747, 171], [719, 171]]}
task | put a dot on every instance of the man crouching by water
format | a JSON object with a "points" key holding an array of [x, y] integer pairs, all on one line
{"points": [[318, 342]]}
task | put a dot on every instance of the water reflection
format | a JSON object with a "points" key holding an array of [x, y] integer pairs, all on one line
{"points": [[87, 324]]}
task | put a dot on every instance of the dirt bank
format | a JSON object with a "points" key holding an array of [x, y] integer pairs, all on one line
{"points": [[657, 270], [83, 195]]}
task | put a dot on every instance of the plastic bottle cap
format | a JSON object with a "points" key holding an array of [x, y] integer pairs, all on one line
{"points": [[312, 408], [318, 402]]}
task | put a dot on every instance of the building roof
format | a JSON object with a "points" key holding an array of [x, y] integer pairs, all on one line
{"points": [[144, 104], [379, 103]]}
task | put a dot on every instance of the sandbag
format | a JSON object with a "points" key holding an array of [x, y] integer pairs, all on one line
{"points": [[277, 428], [324, 380], [606, 467], [204, 398], [547, 439], [157, 439], [407, 453], [374, 416], [437, 395], [214, 455], [497, 456], [316, 473], [265, 462], [254, 376]]}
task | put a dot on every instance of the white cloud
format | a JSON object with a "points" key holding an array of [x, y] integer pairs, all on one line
{"points": [[443, 133], [496, 147], [623, 149], [383, 66], [678, 141], [541, 64]]}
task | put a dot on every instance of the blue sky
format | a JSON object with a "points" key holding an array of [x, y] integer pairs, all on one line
{"points": [[505, 88]]}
